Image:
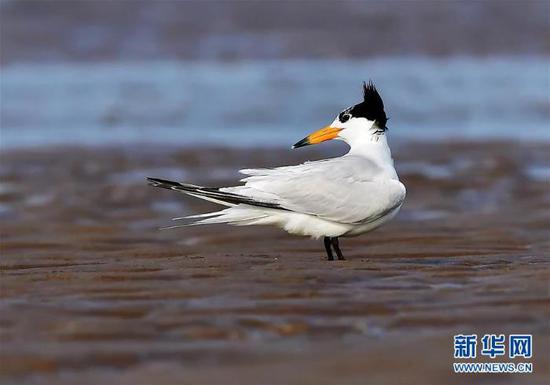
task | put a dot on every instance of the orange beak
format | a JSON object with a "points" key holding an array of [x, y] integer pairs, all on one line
{"points": [[324, 134]]}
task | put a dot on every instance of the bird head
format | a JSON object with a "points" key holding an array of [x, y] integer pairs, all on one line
{"points": [[365, 118]]}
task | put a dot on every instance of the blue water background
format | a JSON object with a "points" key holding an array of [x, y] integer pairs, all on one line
{"points": [[269, 103]]}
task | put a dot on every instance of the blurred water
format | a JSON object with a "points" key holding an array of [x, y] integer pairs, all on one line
{"points": [[269, 102]]}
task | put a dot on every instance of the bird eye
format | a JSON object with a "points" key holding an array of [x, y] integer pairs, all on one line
{"points": [[344, 117]]}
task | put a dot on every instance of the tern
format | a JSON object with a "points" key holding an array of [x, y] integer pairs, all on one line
{"points": [[330, 198]]}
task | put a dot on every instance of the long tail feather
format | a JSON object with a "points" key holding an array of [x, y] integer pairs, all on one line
{"points": [[240, 210], [212, 194], [197, 216], [233, 215]]}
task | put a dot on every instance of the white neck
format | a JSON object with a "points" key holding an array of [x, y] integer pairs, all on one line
{"points": [[365, 143]]}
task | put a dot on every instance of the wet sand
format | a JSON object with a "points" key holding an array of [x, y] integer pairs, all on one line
{"points": [[91, 291], [89, 30]]}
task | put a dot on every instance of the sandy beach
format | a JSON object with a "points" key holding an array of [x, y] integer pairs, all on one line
{"points": [[92, 292], [95, 96]]}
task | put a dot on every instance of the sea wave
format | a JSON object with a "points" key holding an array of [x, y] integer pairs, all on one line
{"points": [[269, 102]]}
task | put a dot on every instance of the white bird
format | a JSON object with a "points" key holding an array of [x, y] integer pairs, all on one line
{"points": [[338, 197]]}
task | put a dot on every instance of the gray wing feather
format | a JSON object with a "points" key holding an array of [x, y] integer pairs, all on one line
{"points": [[345, 190]]}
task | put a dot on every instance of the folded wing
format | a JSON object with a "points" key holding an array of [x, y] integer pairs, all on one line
{"points": [[345, 190]]}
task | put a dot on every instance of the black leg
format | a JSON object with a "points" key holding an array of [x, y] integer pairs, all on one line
{"points": [[327, 240], [336, 246]]}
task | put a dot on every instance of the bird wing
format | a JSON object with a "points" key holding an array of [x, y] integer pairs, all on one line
{"points": [[348, 189]]}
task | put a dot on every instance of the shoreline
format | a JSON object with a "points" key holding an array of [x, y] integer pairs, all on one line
{"points": [[92, 292]]}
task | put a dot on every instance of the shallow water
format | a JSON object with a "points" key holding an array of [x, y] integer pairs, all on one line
{"points": [[92, 292], [269, 103]]}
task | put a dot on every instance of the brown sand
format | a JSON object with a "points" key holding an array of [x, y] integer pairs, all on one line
{"points": [[91, 30], [92, 293]]}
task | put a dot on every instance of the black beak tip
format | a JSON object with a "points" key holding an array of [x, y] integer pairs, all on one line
{"points": [[301, 143]]}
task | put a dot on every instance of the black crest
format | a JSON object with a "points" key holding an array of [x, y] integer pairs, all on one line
{"points": [[371, 108]]}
